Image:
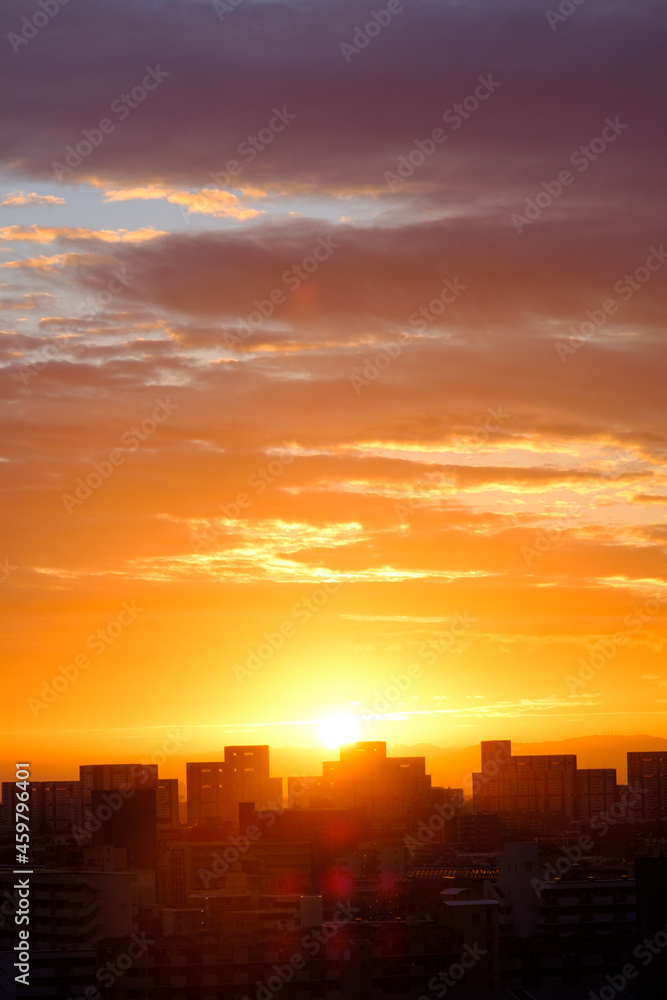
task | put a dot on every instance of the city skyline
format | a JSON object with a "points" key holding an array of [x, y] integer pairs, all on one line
{"points": [[445, 766], [363, 880]]}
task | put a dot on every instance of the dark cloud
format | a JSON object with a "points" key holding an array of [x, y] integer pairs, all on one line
{"points": [[354, 120]]}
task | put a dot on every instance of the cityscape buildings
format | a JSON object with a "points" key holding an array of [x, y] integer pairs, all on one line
{"points": [[366, 881]]}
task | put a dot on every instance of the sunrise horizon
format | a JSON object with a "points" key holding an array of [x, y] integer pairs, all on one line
{"points": [[448, 763]]}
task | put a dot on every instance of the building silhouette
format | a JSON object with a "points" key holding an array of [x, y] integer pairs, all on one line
{"points": [[388, 789], [648, 772], [215, 788]]}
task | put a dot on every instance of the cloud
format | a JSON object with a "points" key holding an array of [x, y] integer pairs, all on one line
{"points": [[30, 301], [51, 234], [655, 679], [19, 199], [209, 201], [226, 80], [258, 320], [649, 498], [43, 263]]}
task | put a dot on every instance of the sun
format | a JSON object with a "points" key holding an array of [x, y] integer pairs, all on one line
{"points": [[335, 730]]}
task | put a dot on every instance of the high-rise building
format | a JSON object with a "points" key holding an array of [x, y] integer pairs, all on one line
{"points": [[647, 774], [387, 788], [528, 787], [517, 869], [166, 802], [55, 806], [215, 788], [596, 791], [249, 779], [491, 786], [206, 791], [480, 833], [114, 777], [309, 792], [128, 824], [495, 752], [72, 910], [651, 875]]}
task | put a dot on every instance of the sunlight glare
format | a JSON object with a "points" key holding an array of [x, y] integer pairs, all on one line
{"points": [[335, 730]]}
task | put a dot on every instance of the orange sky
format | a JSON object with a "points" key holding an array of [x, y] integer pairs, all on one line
{"points": [[366, 420]]}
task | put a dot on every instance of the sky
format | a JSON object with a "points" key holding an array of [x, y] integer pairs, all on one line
{"points": [[332, 364]]}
